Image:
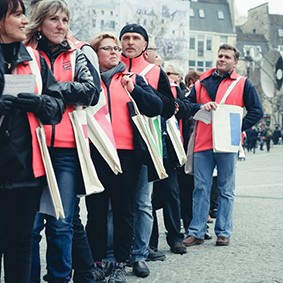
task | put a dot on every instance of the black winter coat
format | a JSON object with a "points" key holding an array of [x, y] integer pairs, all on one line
{"points": [[1, 72], [16, 151]]}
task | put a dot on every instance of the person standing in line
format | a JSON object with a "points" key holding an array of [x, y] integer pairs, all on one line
{"points": [[134, 41], [120, 189], [150, 55], [2, 81], [82, 261], [22, 173], [166, 193], [205, 95], [48, 32]]}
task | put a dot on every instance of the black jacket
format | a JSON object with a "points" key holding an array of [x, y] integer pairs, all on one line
{"points": [[82, 90], [1, 72], [16, 151]]}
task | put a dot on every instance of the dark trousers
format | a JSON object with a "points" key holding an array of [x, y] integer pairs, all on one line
{"points": [[186, 185], [82, 260], [120, 190], [17, 212], [166, 195]]}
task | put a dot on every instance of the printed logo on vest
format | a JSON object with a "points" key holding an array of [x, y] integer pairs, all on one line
{"points": [[67, 66]]}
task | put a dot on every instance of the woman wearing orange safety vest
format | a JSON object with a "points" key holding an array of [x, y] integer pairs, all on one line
{"points": [[22, 173], [48, 31]]}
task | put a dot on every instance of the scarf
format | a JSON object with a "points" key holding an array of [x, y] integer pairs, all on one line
{"points": [[107, 76]]}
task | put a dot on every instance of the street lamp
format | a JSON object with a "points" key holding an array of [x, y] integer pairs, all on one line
{"points": [[248, 60]]}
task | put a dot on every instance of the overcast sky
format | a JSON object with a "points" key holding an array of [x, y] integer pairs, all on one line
{"points": [[275, 6]]}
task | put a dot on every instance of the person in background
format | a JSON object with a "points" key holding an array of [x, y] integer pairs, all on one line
{"points": [[276, 135], [134, 41], [22, 173], [48, 32], [166, 193], [205, 95], [252, 138], [151, 53], [268, 137], [120, 189]]}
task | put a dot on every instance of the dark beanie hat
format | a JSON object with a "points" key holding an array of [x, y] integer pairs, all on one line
{"points": [[134, 28]]}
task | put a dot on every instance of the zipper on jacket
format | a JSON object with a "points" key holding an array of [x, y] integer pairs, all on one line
{"points": [[52, 136]]}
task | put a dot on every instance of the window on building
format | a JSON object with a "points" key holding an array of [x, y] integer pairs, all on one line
{"points": [[192, 43], [102, 12], [209, 43], [201, 46], [280, 32], [280, 48], [220, 15], [200, 65], [192, 13], [201, 13], [208, 65], [112, 25], [223, 39], [111, 13], [192, 64]]}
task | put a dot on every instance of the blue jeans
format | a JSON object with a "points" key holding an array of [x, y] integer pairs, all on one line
{"points": [[59, 233], [204, 164], [143, 217]]}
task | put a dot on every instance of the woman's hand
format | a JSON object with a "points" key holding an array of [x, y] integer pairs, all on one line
{"points": [[128, 83]]}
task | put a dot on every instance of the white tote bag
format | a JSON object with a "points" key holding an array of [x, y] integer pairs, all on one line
{"points": [[227, 124], [50, 201], [91, 182], [101, 134], [189, 165], [173, 131], [149, 130], [226, 128]]}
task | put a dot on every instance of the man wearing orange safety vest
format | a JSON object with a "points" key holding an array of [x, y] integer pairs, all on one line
{"points": [[206, 95]]}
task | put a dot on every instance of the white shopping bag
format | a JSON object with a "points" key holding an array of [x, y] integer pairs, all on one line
{"points": [[91, 182], [226, 128]]}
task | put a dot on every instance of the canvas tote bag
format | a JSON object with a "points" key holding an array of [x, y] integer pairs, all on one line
{"points": [[150, 134], [174, 134], [78, 117], [101, 134], [227, 124], [50, 201]]}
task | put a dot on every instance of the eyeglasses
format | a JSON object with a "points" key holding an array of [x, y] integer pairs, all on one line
{"points": [[110, 48], [153, 49], [171, 73]]}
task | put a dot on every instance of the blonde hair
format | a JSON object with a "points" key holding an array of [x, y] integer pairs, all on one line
{"points": [[95, 42], [39, 12]]}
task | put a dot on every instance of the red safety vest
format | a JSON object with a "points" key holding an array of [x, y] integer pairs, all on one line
{"points": [[203, 139], [63, 70], [25, 69]]}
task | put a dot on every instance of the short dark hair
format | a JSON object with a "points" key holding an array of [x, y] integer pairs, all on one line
{"points": [[227, 46]]}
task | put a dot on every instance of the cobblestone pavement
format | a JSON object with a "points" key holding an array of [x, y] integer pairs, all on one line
{"points": [[255, 254]]}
